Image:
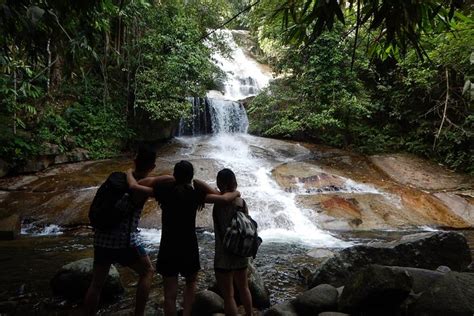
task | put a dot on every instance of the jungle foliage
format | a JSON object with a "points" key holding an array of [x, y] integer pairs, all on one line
{"points": [[352, 85], [372, 75], [77, 73]]}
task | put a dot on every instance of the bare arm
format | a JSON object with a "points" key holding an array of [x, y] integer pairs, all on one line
{"points": [[204, 187], [136, 187], [151, 181], [222, 198]]}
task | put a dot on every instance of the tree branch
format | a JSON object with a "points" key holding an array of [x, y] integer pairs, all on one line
{"points": [[445, 109]]}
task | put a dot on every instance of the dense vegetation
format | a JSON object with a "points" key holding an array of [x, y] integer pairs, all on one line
{"points": [[352, 87], [87, 73], [370, 75]]}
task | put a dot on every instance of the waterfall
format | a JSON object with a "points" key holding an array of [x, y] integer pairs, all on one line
{"points": [[229, 146], [245, 78]]}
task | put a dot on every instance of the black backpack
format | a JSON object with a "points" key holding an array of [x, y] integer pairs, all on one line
{"points": [[112, 203]]}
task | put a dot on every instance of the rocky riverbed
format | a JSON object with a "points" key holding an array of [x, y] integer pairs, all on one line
{"points": [[310, 201]]}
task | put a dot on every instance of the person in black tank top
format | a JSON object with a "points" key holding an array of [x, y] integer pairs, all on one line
{"points": [[179, 253]]}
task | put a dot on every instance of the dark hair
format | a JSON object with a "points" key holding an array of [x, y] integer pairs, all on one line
{"points": [[183, 172], [145, 158], [226, 178]]}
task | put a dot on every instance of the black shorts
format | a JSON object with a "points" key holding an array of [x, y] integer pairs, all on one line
{"points": [[221, 270], [169, 267], [123, 256]]}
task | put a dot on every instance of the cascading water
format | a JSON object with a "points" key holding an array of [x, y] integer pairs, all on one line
{"points": [[279, 217]]}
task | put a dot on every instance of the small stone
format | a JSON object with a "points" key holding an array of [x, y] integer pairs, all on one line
{"points": [[318, 299], [443, 269]]}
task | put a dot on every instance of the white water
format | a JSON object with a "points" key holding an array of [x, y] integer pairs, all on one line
{"points": [[228, 117], [33, 230], [245, 76], [279, 217]]}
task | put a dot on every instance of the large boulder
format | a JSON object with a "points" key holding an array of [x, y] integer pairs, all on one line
{"points": [[452, 294], [375, 290], [423, 250], [207, 303], [10, 227], [318, 299], [73, 280]]}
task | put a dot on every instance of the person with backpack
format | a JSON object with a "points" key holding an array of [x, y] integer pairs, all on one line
{"points": [[231, 257], [114, 214], [179, 253]]}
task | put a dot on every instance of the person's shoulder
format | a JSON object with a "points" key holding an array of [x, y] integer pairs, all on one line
{"points": [[238, 201]]}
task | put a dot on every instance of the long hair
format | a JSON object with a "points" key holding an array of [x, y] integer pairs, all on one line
{"points": [[226, 180]]}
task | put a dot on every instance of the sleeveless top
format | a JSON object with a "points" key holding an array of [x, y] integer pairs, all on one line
{"points": [[222, 216], [179, 204]]}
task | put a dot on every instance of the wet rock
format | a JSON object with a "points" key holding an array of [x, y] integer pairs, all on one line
{"points": [[283, 309], [459, 203], [452, 294], [4, 168], [320, 253], [207, 303], [306, 178], [10, 227], [318, 299], [73, 280], [375, 289], [424, 174], [260, 294], [424, 250]]}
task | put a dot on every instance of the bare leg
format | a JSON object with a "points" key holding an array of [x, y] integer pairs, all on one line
{"points": [[171, 292], [226, 284], [241, 282], [189, 293], [91, 301], [145, 271]]}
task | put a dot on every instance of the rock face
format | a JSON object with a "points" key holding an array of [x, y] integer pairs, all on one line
{"points": [[375, 289], [73, 280], [318, 299], [207, 303], [10, 227], [424, 250], [452, 294]]}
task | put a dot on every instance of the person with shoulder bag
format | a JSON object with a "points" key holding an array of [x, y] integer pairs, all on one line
{"points": [[236, 240], [114, 215]]}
